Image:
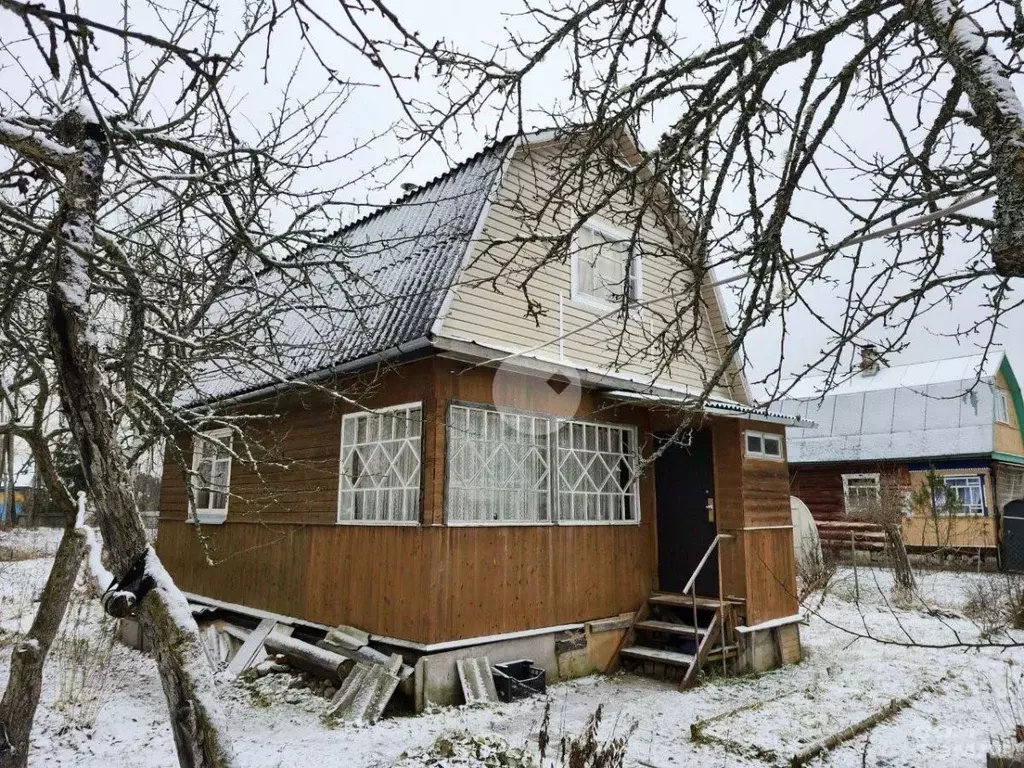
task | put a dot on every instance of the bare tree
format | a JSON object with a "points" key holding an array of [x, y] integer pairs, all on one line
{"points": [[757, 103], [887, 509], [154, 242]]}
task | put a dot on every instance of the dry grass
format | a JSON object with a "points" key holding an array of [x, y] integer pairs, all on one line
{"points": [[81, 656], [996, 604]]}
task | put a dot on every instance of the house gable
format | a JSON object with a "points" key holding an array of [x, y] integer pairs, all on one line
{"points": [[1009, 437], [516, 290]]}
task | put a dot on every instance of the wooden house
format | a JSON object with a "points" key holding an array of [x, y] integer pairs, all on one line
{"points": [[956, 421], [541, 505]]}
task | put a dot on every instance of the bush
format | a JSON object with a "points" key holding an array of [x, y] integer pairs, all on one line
{"points": [[996, 604]]}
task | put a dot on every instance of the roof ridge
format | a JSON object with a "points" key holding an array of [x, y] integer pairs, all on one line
{"points": [[996, 350]]}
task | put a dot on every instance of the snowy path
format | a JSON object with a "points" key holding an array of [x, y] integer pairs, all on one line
{"points": [[840, 681]]}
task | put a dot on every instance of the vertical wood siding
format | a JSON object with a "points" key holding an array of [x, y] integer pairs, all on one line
{"points": [[281, 551]]}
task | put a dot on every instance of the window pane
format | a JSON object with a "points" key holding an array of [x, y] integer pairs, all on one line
{"points": [[380, 476], [602, 263], [212, 470], [498, 467], [595, 472], [772, 446], [753, 443]]}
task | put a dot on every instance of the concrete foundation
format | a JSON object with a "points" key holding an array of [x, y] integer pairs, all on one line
{"points": [[562, 654], [769, 648]]}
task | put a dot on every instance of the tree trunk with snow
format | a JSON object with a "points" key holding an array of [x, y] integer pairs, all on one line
{"points": [[185, 670], [21, 696], [999, 116]]}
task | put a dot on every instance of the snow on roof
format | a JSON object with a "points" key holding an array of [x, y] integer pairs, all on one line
{"points": [[915, 411], [909, 375], [383, 287]]}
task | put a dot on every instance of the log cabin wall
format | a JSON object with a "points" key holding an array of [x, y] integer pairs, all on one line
{"points": [[281, 550]]}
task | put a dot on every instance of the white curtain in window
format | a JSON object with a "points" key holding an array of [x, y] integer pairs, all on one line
{"points": [[212, 465], [380, 466], [498, 466], [596, 472], [967, 491]]}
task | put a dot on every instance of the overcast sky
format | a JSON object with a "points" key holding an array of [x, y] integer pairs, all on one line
{"points": [[477, 26]]}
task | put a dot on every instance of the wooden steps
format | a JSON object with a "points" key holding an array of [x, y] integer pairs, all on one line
{"points": [[657, 654], [671, 627], [684, 601], [663, 640]]}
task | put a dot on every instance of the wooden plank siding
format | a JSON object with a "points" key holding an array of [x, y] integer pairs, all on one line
{"points": [[1008, 437], [515, 242], [281, 550], [820, 487]]}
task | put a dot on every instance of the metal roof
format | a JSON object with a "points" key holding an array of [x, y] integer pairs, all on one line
{"points": [[942, 408], [381, 284], [719, 406]]}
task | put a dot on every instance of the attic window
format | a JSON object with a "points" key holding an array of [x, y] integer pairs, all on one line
{"points": [[1002, 407], [605, 266]]}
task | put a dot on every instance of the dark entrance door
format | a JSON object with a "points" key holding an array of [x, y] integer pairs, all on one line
{"points": [[1013, 536], [684, 482]]}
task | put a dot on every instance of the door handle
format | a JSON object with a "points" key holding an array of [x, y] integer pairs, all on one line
{"points": [[711, 509]]}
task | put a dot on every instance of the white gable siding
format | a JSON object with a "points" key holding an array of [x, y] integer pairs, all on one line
{"points": [[499, 314]]}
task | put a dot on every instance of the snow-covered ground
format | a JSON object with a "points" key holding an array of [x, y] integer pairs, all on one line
{"points": [[972, 697]]}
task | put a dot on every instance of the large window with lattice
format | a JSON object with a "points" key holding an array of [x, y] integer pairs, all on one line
{"points": [[596, 473], [380, 466], [499, 466], [962, 495], [507, 467]]}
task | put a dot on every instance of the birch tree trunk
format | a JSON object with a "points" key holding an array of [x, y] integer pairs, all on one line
{"points": [[998, 112], [186, 673]]}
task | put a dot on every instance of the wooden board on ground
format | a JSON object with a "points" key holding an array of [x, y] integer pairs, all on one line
{"points": [[366, 692], [252, 646], [477, 680]]}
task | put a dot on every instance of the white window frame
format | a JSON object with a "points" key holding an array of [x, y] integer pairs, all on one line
{"points": [[501, 414], [875, 476], [598, 302], [1002, 404], [557, 491], [974, 481], [761, 454], [342, 490], [209, 515], [553, 463]]}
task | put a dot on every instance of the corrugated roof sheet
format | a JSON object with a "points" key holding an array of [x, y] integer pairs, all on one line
{"points": [[921, 410], [381, 285], [712, 405]]}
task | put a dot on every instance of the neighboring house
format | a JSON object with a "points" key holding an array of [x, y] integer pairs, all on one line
{"points": [[20, 496], [958, 418], [508, 510]]}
